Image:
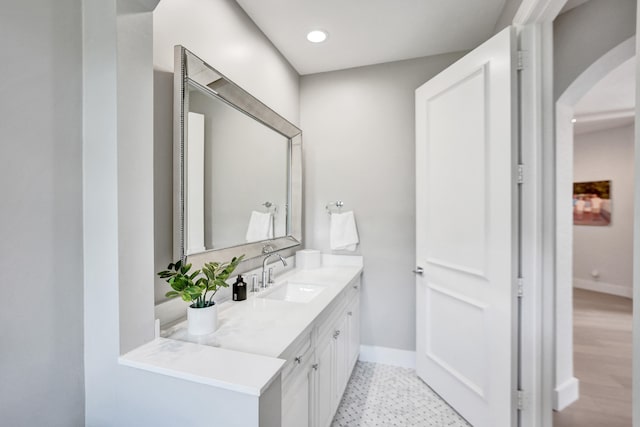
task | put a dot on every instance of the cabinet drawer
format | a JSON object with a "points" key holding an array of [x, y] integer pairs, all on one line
{"points": [[329, 321], [299, 356], [354, 289]]}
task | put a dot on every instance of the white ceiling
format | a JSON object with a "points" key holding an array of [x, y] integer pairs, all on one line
{"points": [[364, 32], [610, 103]]}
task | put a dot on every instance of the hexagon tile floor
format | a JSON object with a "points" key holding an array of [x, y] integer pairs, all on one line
{"points": [[387, 396]]}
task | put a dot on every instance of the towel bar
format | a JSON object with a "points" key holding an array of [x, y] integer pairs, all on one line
{"points": [[338, 204]]}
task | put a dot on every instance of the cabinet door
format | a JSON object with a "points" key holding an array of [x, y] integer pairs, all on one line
{"points": [[340, 337], [296, 398], [353, 327], [324, 382]]}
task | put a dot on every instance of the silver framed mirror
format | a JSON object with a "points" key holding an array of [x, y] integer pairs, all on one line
{"points": [[237, 170]]}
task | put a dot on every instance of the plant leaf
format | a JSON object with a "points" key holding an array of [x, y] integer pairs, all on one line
{"points": [[185, 269]]}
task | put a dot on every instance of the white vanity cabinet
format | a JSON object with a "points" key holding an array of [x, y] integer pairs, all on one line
{"points": [[288, 361], [311, 392]]}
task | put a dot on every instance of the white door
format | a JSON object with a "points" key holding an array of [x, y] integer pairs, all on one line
{"points": [[466, 233]]}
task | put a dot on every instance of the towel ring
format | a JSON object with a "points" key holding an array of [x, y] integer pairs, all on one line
{"points": [[270, 206], [338, 204]]}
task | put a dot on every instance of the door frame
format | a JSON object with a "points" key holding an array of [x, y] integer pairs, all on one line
{"points": [[534, 23], [534, 20]]}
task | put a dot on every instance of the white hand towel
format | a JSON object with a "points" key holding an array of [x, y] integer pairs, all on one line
{"points": [[260, 226], [343, 234]]}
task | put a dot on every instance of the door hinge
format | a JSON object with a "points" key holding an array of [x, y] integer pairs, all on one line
{"points": [[520, 60], [520, 400], [520, 174], [520, 283]]}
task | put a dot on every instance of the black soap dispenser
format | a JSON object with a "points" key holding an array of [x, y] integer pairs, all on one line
{"points": [[239, 289]]}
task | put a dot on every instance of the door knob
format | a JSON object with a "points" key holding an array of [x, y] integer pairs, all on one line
{"points": [[419, 270]]}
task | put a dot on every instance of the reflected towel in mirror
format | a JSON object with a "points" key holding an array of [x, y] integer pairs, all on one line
{"points": [[260, 226], [343, 232]]}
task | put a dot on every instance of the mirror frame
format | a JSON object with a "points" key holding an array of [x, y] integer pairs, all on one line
{"points": [[244, 102]]}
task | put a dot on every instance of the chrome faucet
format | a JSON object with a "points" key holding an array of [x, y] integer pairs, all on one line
{"points": [[267, 277]]}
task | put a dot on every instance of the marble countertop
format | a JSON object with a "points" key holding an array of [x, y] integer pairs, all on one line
{"points": [[232, 370], [252, 333]]}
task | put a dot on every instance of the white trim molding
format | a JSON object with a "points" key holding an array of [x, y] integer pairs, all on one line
{"points": [[566, 393], [537, 11], [388, 356], [606, 115], [605, 288]]}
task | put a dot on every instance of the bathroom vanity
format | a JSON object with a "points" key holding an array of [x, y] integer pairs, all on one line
{"points": [[282, 357], [290, 349]]}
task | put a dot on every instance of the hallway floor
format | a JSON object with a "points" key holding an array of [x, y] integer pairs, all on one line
{"points": [[602, 362], [386, 396]]}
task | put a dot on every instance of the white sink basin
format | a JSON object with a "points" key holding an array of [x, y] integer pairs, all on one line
{"points": [[293, 292]]}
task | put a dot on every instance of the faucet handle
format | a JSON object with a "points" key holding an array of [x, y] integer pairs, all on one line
{"points": [[271, 275], [254, 283]]}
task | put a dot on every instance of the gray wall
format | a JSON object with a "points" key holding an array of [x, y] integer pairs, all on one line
{"points": [[358, 146], [601, 156], [41, 361], [585, 33]]}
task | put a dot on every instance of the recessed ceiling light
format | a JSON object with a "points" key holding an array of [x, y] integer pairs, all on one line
{"points": [[317, 36], [573, 120]]}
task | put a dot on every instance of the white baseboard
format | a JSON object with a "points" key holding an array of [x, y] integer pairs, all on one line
{"points": [[388, 356], [606, 288], [566, 393]]}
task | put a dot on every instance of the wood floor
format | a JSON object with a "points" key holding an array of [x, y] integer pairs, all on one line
{"points": [[602, 362]]}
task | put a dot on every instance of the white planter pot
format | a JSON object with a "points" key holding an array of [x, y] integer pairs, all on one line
{"points": [[202, 321]]}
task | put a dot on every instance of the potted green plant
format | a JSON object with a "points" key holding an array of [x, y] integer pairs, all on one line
{"points": [[199, 288]]}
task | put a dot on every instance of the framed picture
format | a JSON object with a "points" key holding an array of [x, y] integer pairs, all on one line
{"points": [[592, 203]]}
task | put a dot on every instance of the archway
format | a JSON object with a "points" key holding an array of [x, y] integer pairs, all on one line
{"points": [[566, 389]]}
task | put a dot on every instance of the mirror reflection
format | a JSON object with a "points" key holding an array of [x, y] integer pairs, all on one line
{"points": [[236, 174], [237, 170]]}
